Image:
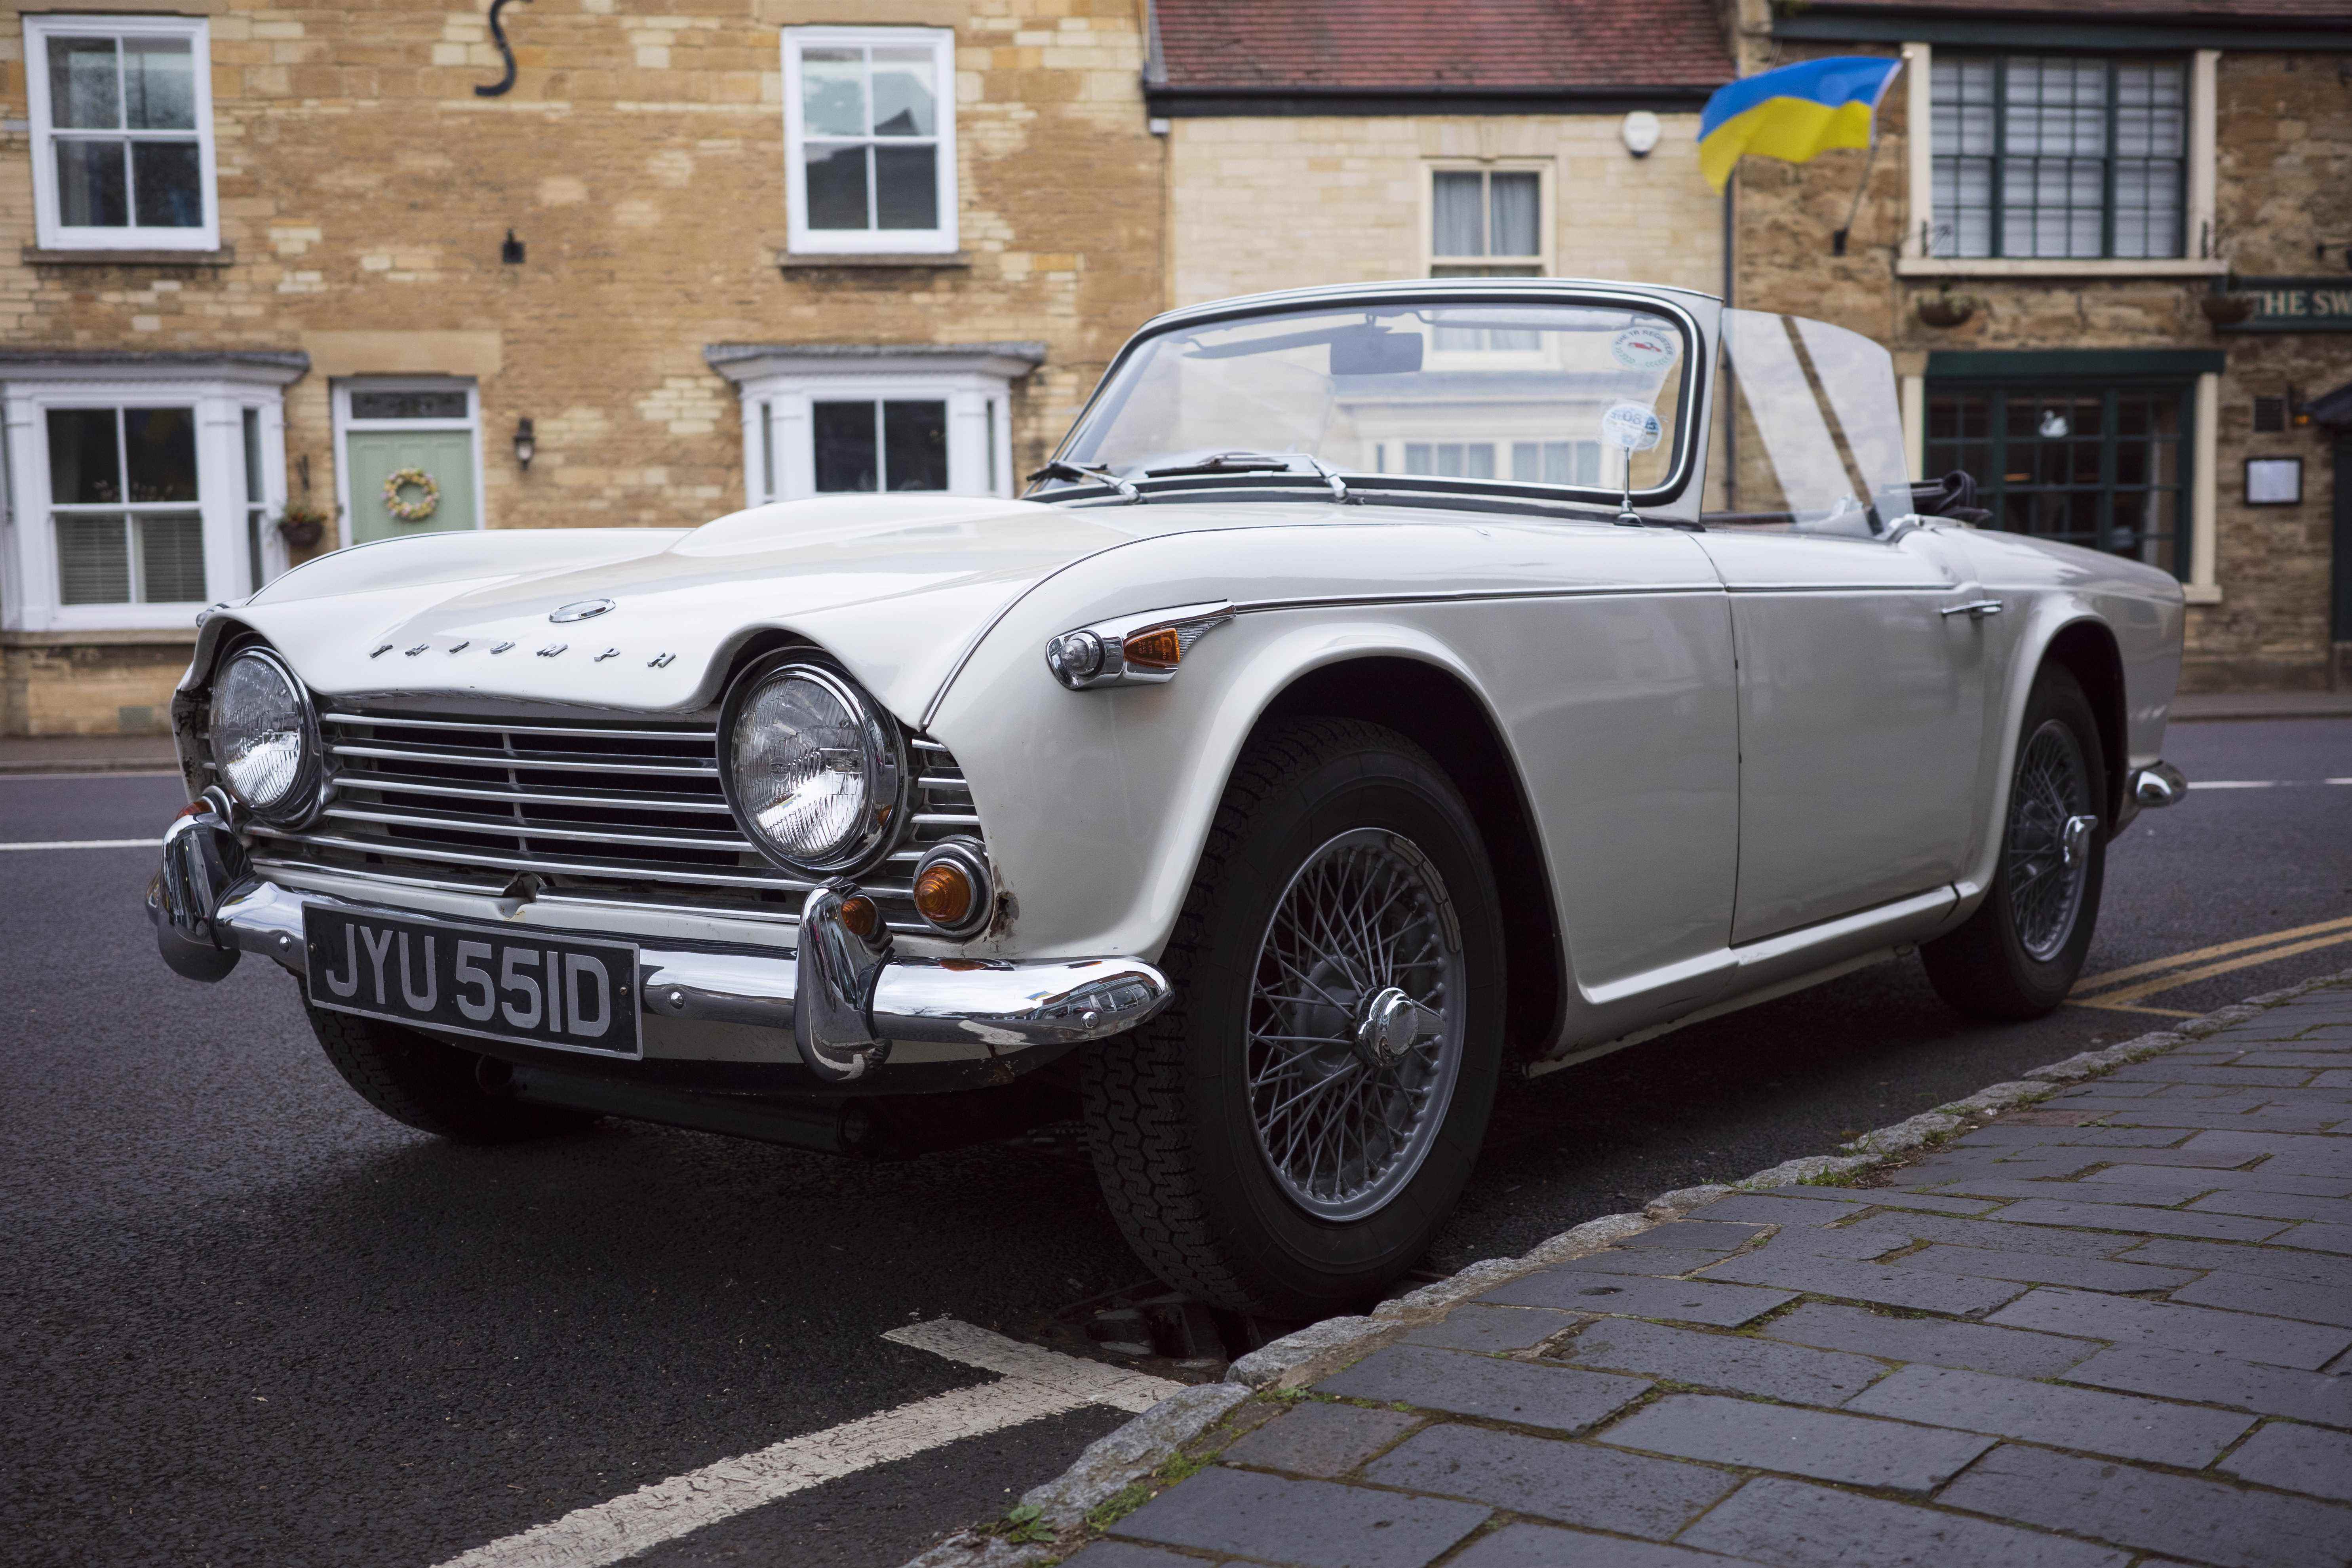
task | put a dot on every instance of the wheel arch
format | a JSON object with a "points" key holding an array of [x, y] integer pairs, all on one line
{"points": [[1438, 711], [2086, 649]]}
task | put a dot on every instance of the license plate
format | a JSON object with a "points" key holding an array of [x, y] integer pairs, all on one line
{"points": [[533, 988]]}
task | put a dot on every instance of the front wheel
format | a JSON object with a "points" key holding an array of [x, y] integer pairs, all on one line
{"points": [[2019, 954], [1288, 1138]]}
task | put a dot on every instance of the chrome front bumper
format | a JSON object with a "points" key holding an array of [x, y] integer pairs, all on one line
{"points": [[845, 1002]]}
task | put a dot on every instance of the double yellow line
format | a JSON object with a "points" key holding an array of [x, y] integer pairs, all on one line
{"points": [[2121, 990]]}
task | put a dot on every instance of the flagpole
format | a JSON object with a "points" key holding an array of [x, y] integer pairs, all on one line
{"points": [[1837, 240]]}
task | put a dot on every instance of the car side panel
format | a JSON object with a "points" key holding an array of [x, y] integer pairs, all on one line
{"points": [[1861, 707], [2047, 588], [1603, 655]]}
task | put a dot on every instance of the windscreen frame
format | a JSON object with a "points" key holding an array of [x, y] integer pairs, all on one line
{"points": [[1693, 387]]}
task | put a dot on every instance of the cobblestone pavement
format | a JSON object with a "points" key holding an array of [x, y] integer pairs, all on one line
{"points": [[2112, 1328]]}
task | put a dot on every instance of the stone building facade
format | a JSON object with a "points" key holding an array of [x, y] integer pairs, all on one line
{"points": [[264, 256], [347, 269], [2114, 275]]}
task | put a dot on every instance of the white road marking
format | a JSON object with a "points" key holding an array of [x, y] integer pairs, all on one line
{"points": [[1090, 1380], [1036, 1383], [85, 844], [2262, 783]]}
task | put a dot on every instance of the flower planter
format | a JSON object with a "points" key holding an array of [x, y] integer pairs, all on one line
{"points": [[1943, 311]]}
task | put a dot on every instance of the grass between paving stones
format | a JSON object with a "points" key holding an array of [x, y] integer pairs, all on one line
{"points": [[1872, 1160], [1023, 1524]]}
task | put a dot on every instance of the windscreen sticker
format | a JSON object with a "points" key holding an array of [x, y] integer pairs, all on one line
{"points": [[1643, 348], [1630, 427]]}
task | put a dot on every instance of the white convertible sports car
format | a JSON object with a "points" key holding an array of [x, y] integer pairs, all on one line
{"points": [[1384, 688]]}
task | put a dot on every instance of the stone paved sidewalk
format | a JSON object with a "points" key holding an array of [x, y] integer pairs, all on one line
{"points": [[2112, 1328]]}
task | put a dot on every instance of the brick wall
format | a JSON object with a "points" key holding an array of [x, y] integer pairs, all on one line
{"points": [[109, 684], [1283, 202], [365, 190]]}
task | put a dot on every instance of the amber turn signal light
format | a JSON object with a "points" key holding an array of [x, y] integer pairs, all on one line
{"points": [[860, 917], [953, 888], [943, 894], [1160, 648]]}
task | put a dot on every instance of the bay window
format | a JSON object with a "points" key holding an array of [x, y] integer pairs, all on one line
{"points": [[137, 502], [846, 419]]}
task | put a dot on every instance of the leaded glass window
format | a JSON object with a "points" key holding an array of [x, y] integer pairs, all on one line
{"points": [[2058, 156], [2100, 466]]}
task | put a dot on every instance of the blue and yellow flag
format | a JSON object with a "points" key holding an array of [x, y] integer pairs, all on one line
{"points": [[1794, 112]]}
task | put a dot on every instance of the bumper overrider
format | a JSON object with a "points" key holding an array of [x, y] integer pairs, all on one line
{"points": [[842, 995]]}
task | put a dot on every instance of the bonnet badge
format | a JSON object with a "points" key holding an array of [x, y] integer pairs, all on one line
{"points": [[583, 610]]}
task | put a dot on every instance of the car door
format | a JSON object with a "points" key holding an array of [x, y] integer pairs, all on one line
{"points": [[1860, 663], [1860, 691]]}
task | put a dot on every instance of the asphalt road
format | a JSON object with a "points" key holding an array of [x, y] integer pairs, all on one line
{"points": [[249, 1321]]}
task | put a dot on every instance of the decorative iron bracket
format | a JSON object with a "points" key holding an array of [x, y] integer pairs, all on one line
{"points": [[499, 37]]}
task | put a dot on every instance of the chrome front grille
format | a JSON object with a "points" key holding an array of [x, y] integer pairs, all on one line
{"points": [[609, 812]]}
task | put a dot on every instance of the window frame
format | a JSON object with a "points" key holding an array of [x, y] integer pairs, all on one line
{"points": [[778, 387], [29, 565], [50, 232], [2198, 232], [2109, 158], [780, 431], [1992, 487], [803, 240], [1547, 212]]}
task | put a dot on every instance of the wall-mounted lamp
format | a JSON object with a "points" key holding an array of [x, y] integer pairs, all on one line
{"points": [[526, 444], [1641, 132], [511, 252]]}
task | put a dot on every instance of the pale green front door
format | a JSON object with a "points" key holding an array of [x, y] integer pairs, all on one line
{"points": [[374, 456]]}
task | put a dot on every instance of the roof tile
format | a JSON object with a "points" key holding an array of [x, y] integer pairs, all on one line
{"points": [[1418, 45]]}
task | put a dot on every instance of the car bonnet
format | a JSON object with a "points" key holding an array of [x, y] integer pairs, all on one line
{"points": [[897, 587]]}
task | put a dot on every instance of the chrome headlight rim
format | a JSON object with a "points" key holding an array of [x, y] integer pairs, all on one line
{"points": [[889, 779], [306, 796]]}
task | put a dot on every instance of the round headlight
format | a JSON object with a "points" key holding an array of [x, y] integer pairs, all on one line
{"points": [[261, 734], [814, 770]]}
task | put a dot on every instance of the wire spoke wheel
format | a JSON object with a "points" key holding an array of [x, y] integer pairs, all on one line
{"points": [[1356, 1023], [2046, 850]]}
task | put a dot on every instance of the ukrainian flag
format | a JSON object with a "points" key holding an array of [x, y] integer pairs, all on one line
{"points": [[1794, 112]]}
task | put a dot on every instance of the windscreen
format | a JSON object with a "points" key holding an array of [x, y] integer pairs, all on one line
{"points": [[1582, 397], [1808, 429]]}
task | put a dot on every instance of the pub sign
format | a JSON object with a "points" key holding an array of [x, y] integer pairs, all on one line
{"points": [[2294, 304]]}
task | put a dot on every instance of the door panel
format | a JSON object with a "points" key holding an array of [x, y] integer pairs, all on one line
{"points": [[1627, 727], [1861, 721], [373, 456]]}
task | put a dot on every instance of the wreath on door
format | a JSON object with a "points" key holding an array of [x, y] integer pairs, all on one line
{"points": [[416, 510]]}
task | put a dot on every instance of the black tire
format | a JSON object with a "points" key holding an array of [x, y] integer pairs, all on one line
{"points": [[436, 1088], [1169, 1114], [1987, 967]]}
